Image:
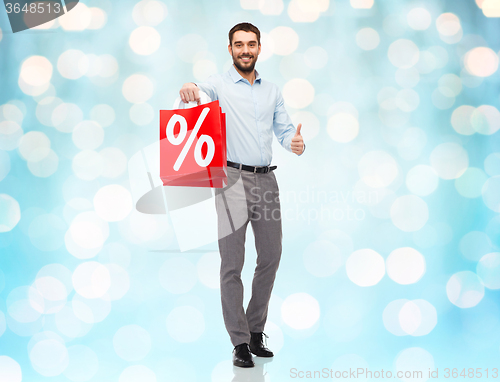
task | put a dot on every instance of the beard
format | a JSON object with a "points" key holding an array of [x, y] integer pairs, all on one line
{"points": [[248, 68]]}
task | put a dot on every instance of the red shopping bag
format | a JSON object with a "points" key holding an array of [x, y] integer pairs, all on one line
{"points": [[193, 146]]}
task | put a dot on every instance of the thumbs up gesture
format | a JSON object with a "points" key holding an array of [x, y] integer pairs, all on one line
{"points": [[297, 141]]}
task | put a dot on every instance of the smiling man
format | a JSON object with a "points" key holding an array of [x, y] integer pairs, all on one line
{"points": [[254, 110]]}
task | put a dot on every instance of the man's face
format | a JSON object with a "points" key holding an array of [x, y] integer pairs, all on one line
{"points": [[245, 50]]}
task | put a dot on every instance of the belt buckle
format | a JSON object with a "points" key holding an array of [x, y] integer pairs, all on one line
{"points": [[255, 169]]}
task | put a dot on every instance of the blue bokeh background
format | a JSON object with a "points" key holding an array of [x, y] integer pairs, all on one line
{"points": [[391, 217]]}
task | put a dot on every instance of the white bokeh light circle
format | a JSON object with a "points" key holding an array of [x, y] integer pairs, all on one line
{"points": [[377, 169], [208, 268], [69, 324], [488, 270], [390, 317], [450, 160], [422, 180], [10, 135], [322, 258], [73, 64], [132, 342], [53, 292], [137, 373], [83, 363], [405, 265], [65, 116], [49, 357], [407, 78], [103, 114], [120, 282], [491, 193], [149, 12], [185, 324], [34, 146], [316, 57], [60, 273], [189, 46], [367, 38], [470, 184], [465, 289], [10, 371], [481, 61], [418, 317], [178, 275], [306, 11], [285, 40], [78, 19], [114, 162], [137, 88], [461, 120], [46, 166], [365, 267], [98, 18], [144, 40], [300, 311], [89, 230], [87, 164], [485, 119], [204, 68], [403, 53], [491, 164], [36, 71], [419, 19], [475, 244], [298, 93], [91, 280], [412, 361], [141, 113], [309, 121], [409, 213], [10, 213], [343, 127], [113, 202], [24, 304], [88, 135], [91, 311]]}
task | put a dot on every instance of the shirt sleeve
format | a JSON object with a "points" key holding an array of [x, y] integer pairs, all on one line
{"points": [[282, 124], [209, 87]]}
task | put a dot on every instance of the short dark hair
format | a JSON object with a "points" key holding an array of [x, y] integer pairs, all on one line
{"points": [[246, 27]]}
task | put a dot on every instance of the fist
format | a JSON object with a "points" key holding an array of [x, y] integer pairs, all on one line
{"points": [[189, 93], [298, 141]]}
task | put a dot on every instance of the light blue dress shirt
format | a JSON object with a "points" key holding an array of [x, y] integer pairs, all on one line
{"points": [[253, 112]]}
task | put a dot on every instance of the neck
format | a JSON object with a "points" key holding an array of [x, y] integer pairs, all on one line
{"points": [[250, 76]]}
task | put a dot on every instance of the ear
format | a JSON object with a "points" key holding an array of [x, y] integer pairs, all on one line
{"points": [[230, 49], [260, 47]]}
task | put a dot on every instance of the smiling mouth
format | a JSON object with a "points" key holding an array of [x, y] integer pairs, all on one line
{"points": [[246, 59]]}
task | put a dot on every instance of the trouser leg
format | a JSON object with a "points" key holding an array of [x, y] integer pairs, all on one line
{"points": [[266, 225], [232, 216]]}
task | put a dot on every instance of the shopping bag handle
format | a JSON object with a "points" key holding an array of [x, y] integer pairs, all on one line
{"points": [[179, 104]]}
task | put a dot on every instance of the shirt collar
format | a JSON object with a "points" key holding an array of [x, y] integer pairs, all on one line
{"points": [[235, 76]]}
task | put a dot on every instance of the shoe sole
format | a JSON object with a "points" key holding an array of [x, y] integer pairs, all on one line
{"points": [[244, 365]]}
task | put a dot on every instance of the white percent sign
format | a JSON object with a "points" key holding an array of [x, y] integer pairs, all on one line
{"points": [[176, 118]]}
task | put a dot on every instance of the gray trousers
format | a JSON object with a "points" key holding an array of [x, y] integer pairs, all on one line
{"points": [[248, 197]]}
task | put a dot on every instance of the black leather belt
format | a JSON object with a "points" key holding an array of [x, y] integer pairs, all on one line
{"points": [[259, 170]]}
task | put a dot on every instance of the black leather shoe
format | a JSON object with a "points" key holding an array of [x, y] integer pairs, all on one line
{"points": [[257, 346], [242, 356]]}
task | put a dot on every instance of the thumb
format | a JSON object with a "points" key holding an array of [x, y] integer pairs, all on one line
{"points": [[298, 129]]}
